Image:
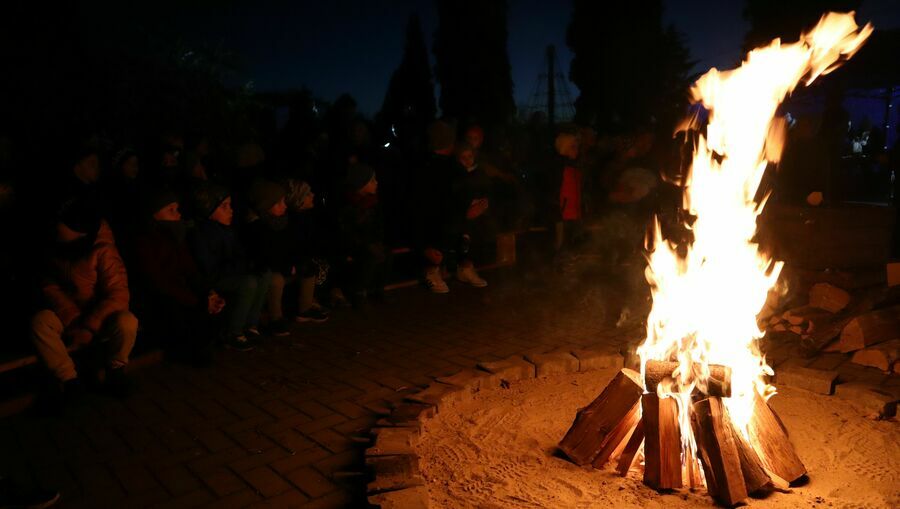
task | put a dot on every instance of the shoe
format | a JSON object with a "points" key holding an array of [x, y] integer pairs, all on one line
{"points": [[118, 383], [239, 343], [311, 315], [253, 333], [338, 300], [320, 308], [469, 276], [14, 495], [434, 282], [279, 328]]}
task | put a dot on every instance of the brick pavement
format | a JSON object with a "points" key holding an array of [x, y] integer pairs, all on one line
{"points": [[286, 425]]}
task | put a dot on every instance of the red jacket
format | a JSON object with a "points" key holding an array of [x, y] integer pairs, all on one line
{"points": [[92, 287]]}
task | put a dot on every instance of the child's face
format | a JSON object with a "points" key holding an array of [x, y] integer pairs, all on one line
{"points": [[279, 209], [308, 201], [371, 187], [466, 158], [168, 213], [223, 213]]}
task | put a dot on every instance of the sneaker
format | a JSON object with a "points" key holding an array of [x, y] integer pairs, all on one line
{"points": [[320, 308], [311, 315], [435, 282], [118, 383], [14, 495], [469, 276], [253, 333], [279, 328], [239, 343]]}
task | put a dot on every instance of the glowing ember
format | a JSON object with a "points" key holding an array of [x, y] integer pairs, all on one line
{"points": [[705, 302]]}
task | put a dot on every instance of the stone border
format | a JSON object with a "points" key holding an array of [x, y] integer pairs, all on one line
{"points": [[398, 482]]}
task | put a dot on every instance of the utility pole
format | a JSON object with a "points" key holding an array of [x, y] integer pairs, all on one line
{"points": [[551, 84]]}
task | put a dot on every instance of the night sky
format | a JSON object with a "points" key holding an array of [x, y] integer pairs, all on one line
{"points": [[353, 46]]}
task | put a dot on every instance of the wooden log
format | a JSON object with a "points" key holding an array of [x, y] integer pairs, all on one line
{"points": [[719, 382], [631, 449], [870, 329], [718, 452], [881, 356], [769, 439], [662, 443], [616, 439], [828, 297], [827, 331], [755, 477], [599, 423]]}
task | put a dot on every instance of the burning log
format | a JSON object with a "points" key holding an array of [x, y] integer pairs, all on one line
{"points": [[718, 452], [662, 443], [719, 382], [769, 438], [631, 449], [600, 427]]}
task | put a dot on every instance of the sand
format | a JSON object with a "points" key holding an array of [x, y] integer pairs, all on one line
{"points": [[498, 451]]}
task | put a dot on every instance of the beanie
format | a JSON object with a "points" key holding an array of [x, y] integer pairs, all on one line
{"points": [[207, 198], [358, 175], [441, 135], [157, 198], [264, 194], [81, 215]]}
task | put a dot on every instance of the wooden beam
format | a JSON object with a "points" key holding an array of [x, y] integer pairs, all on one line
{"points": [[631, 449], [662, 443], [718, 452], [770, 440], [719, 381]]}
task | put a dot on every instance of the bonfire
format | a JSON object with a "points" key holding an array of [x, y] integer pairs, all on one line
{"points": [[696, 413]]}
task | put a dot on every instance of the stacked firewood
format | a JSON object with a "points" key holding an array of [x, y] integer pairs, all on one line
{"points": [[734, 464], [864, 324]]}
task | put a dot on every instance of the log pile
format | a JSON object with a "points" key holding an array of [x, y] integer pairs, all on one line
{"points": [[624, 423]]}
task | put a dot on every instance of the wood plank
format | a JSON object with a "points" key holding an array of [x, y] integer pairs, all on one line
{"points": [[828, 297], [662, 443], [870, 329], [770, 441], [616, 439], [881, 356], [631, 449], [718, 452], [719, 382], [596, 423]]}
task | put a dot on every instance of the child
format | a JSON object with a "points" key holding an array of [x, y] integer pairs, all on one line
{"points": [[223, 262], [362, 235]]}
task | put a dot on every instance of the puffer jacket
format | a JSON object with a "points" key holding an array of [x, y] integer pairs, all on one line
{"points": [[92, 287]]}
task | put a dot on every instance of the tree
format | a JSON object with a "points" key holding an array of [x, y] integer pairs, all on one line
{"points": [[472, 63], [629, 69], [771, 19], [409, 102]]}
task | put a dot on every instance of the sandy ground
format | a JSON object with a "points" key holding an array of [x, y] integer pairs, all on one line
{"points": [[497, 451]]}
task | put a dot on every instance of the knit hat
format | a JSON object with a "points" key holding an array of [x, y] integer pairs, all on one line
{"points": [[297, 191], [207, 198], [122, 155], [358, 175], [81, 215], [157, 198], [441, 135], [264, 194]]}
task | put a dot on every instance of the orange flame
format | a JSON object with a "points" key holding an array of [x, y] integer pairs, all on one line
{"points": [[706, 302]]}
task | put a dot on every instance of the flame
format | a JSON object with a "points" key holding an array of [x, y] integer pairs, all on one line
{"points": [[705, 302]]}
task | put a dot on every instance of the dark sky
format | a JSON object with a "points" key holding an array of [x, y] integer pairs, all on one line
{"points": [[350, 46]]}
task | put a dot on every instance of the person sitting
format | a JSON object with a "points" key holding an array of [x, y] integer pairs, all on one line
{"points": [[223, 262], [85, 289], [120, 190], [433, 206], [472, 225], [311, 268], [362, 235], [271, 246], [178, 304]]}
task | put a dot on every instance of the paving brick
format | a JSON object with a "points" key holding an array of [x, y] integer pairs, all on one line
{"points": [[253, 440], [193, 499], [136, 479], [321, 423], [437, 394], [210, 462], [331, 440], [258, 459], [390, 441], [223, 481], [394, 472], [410, 498], [509, 369], [311, 482], [875, 402], [553, 363], [299, 460], [348, 461], [813, 380], [334, 500], [265, 481], [348, 409], [594, 359], [236, 500], [178, 481], [288, 500]]}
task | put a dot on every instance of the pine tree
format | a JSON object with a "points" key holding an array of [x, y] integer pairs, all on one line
{"points": [[629, 69], [409, 101], [472, 62]]}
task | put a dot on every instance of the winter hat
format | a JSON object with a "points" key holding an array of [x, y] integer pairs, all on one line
{"points": [[80, 215], [566, 144], [124, 154], [264, 194], [358, 175], [441, 135], [207, 198], [157, 198], [297, 191]]}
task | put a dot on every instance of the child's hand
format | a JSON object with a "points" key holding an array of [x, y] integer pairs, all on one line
{"points": [[214, 303], [476, 208]]}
